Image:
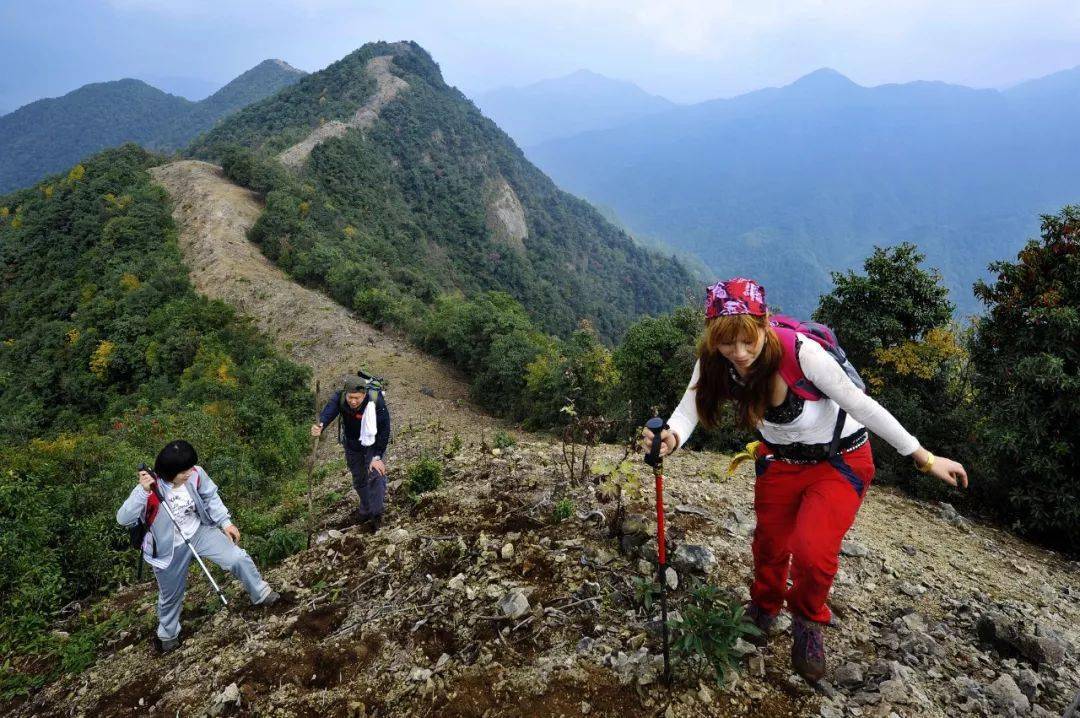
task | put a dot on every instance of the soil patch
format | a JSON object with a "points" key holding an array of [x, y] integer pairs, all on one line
{"points": [[310, 668], [320, 622]]}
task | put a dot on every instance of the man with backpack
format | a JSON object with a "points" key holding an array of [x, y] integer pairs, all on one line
{"points": [[192, 519], [791, 382], [364, 431]]}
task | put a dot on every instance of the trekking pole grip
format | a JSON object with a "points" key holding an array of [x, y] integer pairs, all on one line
{"points": [[656, 425], [154, 486]]}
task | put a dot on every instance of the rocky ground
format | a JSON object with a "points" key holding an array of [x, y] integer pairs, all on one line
{"points": [[473, 601]]}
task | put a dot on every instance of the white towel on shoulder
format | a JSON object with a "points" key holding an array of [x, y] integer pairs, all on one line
{"points": [[368, 426]]}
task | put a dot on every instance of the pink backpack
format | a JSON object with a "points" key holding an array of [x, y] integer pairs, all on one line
{"points": [[790, 331]]}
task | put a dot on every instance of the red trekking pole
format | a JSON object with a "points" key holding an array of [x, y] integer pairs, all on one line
{"points": [[656, 425]]}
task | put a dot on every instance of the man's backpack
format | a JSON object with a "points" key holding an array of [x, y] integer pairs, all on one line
{"points": [[362, 381], [790, 332]]}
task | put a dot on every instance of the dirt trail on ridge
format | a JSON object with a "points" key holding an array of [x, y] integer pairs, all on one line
{"points": [[214, 215]]}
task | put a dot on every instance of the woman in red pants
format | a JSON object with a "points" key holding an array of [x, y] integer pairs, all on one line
{"points": [[813, 464]]}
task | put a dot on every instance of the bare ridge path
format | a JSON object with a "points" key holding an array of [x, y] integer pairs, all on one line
{"points": [[213, 215]]}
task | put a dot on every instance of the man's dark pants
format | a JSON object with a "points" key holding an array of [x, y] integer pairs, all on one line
{"points": [[370, 484]]}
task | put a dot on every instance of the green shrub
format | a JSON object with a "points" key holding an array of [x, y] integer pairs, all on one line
{"points": [[564, 509], [423, 475], [502, 440], [1027, 354], [279, 544], [454, 447], [646, 591], [705, 636]]}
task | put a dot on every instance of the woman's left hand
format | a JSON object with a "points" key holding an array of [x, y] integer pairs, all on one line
{"points": [[949, 471]]}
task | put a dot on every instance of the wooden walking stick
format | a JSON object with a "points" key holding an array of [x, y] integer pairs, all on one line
{"points": [[315, 441]]}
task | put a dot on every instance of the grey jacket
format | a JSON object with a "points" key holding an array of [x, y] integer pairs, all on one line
{"points": [[158, 544]]}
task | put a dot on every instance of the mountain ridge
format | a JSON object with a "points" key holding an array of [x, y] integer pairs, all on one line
{"points": [[459, 199], [51, 134]]}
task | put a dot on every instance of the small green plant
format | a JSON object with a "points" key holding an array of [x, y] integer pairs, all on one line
{"points": [[619, 482], [423, 475], [279, 544], [564, 509], [503, 440], [454, 447], [645, 592], [705, 635]]}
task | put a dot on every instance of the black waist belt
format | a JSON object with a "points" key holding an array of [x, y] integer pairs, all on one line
{"points": [[813, 453]]}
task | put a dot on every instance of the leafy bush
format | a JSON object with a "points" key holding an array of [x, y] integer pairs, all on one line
{"points": [[423, 475], [279, 544], [564, 509], [894, 323], [1027, 354], [503, 440], [705, 635], [646, 591]]}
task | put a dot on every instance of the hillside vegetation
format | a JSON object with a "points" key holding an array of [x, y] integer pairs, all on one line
{"points": [[107, 353], [50, 135]]}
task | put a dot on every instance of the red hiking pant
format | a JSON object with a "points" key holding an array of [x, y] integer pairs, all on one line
{"points": [[803, 512]]}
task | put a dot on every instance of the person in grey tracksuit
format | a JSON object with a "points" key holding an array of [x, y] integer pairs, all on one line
{"points": [[202, 519]]}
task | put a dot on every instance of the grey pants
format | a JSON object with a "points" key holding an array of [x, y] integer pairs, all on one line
{"points": [[212, 545], [370, 485]]}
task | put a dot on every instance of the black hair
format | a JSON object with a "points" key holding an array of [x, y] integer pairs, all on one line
{"points": [[177, 456]]}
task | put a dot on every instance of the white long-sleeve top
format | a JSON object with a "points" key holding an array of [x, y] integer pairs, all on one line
{"points": [[815, 424]]}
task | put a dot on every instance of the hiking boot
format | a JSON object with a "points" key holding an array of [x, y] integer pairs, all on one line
{"points": [[358, 517], [376, 522], [166, 645], [764, 623], [808, 649]]}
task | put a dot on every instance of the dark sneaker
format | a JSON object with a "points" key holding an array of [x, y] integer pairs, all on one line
{"points": [[376, 522], [166, 645], [763, 621], [808, 649]]}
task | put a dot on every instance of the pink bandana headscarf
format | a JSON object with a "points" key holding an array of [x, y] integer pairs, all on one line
{"points": [[738, 295]]}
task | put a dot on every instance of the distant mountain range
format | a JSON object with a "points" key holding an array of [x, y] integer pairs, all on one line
{"points": [[50, 135], [565, 106], [788, 184]]}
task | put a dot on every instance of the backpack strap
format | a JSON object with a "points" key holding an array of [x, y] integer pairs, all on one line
{"points": [[790, 370]]}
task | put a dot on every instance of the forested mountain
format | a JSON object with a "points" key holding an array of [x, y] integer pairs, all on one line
{"points": [[398, 190], [566, 106], [52, 134], [788, 184]]}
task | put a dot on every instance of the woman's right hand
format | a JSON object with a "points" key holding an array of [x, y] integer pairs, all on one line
{"points": [[146, 481], [668, 441], [316, 429]]}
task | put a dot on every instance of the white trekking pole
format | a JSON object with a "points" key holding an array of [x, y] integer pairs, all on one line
{"points": [[165, 505]]}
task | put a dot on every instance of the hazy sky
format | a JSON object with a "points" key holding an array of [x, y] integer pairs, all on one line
{"points": [[686, 50]]}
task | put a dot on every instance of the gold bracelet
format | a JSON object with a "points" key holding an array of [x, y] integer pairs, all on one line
{"points": [[925, 468]]}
